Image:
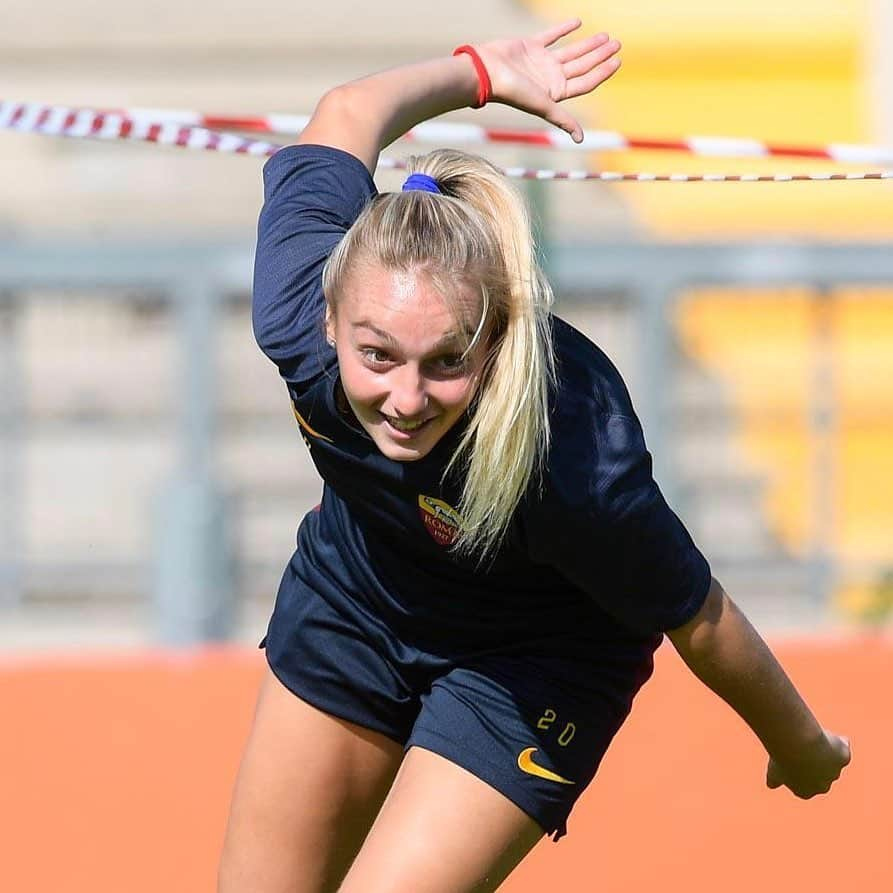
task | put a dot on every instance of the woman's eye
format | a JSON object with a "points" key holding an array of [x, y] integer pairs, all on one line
{"points": [[452, 362], [374, 355]]}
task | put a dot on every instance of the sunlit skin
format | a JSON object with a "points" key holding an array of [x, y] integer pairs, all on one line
{"points": [[401, 357]]}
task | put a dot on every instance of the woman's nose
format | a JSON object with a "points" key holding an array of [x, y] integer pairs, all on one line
{"points": [[408, 395]]}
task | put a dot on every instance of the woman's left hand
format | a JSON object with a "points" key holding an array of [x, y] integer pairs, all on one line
{"points": [[533, 76], [816, 770]]}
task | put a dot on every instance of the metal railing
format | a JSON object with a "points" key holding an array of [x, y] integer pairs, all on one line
{"points": [[191, 574]]}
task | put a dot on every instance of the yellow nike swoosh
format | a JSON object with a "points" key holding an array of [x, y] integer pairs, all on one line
{"points": [[526, 764]]}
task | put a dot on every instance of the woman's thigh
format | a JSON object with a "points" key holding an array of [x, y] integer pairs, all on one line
{"points": [[499, 753], [441, 830], [307, 791]]}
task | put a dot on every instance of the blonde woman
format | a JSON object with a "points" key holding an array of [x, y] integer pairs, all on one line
{"points": [[476, 601]]}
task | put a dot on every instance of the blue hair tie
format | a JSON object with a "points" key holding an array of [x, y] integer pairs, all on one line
{"points": [[421, 182]]}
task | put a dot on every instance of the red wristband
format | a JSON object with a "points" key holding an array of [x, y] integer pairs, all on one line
{"points": [[485, 89]]}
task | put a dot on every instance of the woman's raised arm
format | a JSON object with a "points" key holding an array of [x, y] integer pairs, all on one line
{"points": [[530, 74]]}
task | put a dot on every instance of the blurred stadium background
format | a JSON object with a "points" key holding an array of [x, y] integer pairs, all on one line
{"points": [[151, 476]]}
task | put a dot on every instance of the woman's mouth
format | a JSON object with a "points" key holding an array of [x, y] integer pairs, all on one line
{"points": [[404, 428]]}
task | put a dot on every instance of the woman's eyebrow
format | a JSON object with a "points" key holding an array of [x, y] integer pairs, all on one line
{"points": [[385, 336], [448, 338]]}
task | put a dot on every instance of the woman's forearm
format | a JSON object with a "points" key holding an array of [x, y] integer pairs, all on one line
{"points": [[532, 74], [364, 116], [727, 654]]}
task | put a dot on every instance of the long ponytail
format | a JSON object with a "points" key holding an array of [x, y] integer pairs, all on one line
{"points": [[477, 230]]}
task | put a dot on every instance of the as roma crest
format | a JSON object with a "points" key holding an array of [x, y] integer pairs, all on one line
{"points": [[441, 520]]}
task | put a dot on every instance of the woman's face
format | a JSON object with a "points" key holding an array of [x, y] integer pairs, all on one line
{"points": [[400, 355]]}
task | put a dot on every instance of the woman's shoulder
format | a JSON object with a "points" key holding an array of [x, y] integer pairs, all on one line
{"points": [[594, 430], [586, 378], [323, 172], [597, 449], [312, 195]]}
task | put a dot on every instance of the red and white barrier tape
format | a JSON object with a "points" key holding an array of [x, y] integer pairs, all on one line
{"points": [[55, 120], [454, 134], [91, 124]]}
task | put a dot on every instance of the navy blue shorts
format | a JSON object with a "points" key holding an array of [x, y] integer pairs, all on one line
{"points": [[532, 723]]}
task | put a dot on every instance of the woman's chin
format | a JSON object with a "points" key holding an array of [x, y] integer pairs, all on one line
{"points": [[403, 446], [404, 452]]}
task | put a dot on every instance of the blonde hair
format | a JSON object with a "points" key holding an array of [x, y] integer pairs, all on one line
{"points": [[477, 231]]}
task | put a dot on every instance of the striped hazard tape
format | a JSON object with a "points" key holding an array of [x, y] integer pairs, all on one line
{"points": [[54, 120], [593, 140]]}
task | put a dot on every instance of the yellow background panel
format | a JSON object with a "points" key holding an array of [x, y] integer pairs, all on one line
{"points": [[770, 349], [793, 73], [780, 73], [864, 350]]}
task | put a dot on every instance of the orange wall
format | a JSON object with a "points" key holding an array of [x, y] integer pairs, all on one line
{"points": [[115, 775]]}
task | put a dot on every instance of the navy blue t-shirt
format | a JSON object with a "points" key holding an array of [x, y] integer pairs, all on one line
{"points": [[593, 557]]}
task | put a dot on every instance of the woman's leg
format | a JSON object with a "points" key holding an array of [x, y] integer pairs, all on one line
{"points": [[441, 830], [308, 789]]}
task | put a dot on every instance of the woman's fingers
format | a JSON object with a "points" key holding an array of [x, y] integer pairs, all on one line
{"points": [[556, 32], [816, 773], [527, 75], [846, 750], [580, 86], [773, 775], [561, 118], [583, 64], [579, 48]]}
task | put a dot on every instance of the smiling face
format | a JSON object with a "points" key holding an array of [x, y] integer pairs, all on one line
{"points": [[401, 354]]}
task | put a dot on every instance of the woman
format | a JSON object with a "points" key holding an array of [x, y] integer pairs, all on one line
{"points": [[475, 603]]}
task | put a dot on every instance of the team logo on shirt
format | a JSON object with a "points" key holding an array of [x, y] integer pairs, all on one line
{"points": [[441, 520]]}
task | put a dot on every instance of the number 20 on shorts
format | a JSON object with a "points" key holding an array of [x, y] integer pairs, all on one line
{"points": [[548, 718]]}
